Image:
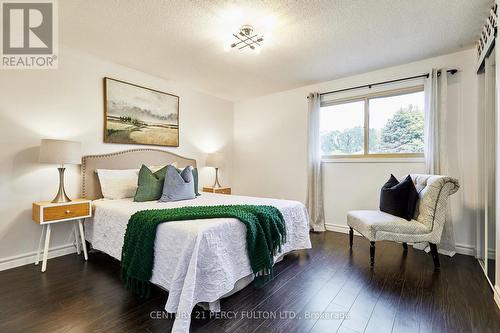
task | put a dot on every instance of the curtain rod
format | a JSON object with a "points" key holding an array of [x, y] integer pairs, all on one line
{"points": [[451, 71]]}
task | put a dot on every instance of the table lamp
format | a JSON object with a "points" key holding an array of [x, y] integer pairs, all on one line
{"points": [[215, 160], [60, 152]]}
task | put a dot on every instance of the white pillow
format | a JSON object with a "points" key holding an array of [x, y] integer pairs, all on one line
{"points": [[155, 168], [118, 184]]}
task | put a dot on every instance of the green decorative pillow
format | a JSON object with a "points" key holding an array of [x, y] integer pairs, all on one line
{"points": [[195, 178], [150, 185]]}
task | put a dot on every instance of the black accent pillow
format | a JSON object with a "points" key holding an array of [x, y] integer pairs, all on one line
{"points": [[399, 198]]}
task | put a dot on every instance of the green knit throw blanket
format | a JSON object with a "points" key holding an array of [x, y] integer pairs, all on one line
{"points": [[265, 234]]}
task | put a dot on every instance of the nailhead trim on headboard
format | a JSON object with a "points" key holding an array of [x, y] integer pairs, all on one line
{"points": [[87, 157]]}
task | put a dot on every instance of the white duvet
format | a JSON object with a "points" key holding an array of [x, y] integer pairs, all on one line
{"points": [[196, 260]]}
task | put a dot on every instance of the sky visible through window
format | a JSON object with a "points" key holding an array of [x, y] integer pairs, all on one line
{"points": [[342, 116], [382, 109]]}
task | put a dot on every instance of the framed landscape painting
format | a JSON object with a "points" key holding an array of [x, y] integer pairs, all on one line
{"points": [[139, 115]]}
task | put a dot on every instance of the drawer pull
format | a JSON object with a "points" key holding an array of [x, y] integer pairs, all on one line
{"points": [[68, 211]]}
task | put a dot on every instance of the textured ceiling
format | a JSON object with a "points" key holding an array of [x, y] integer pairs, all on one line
{"points": [[312, 40]]}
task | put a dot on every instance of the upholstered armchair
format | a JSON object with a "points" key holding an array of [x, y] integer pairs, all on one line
{"points": [[426, 226]]}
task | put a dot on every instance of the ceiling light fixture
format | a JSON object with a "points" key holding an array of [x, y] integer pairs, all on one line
{"points": [[247, 38]]}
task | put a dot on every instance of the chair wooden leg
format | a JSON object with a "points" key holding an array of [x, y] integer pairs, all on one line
{"points": [[372, 253], [405, 246], [435, 255], [351, 237]]}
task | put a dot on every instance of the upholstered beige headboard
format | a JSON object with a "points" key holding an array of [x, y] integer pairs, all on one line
{"points": [[128, 159]]}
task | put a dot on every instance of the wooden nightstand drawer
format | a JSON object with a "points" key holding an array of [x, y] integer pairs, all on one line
{"points": [[220, 190], [223, 191], [65, 212], [43, 212]]}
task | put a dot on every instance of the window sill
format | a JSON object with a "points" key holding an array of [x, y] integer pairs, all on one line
{"points": [[373, 160]]}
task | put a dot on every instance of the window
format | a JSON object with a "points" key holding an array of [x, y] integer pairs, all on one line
{"points": [[381, 125], [342, 127]]}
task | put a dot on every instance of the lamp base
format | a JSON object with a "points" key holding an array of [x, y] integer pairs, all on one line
{"points": [[61, 194], [216, 183]]}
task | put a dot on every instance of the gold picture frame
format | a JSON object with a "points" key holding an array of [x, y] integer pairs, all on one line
{"points": [[134, 114]]}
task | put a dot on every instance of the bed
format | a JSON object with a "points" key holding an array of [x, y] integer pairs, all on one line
{"points": [[196, 261]]}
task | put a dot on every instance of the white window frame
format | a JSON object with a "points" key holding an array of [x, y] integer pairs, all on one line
{"points": [[415, 157]]}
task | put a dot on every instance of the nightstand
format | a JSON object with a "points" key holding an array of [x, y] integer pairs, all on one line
{"points": [[220, 190], [46, 213]]}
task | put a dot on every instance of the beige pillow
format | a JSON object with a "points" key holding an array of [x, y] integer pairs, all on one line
{"points": [[155, 168], [118, 184]]}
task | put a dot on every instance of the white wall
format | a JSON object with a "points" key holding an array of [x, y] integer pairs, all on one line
{"points": [[68, 103], [270, 147], [268, 150]]}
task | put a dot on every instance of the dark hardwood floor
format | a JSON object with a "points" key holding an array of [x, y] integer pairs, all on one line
{"points": [[329, 287]]}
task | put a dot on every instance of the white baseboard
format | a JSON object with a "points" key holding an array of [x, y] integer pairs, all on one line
{"points": [[470, 250], [339, 228], [461, 248], [30, 258], [465, 249]]}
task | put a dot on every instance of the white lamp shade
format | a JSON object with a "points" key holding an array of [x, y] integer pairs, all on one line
{"points": [[215, 160], [60, 152]]}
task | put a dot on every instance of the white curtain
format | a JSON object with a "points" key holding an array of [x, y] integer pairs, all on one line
{"points": [[436, 157], [435, 118], [314, 201]]}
